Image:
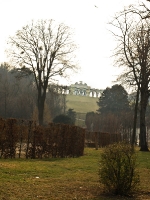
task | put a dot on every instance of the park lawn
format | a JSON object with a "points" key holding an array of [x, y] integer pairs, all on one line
{"points": [[67, 178], [82, 104]]}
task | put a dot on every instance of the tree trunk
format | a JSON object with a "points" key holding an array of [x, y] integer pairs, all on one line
{"points": [[41, 100], [143, 105], [135, 118]]}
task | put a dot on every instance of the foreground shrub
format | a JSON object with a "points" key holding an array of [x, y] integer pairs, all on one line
{"points": [[117, 169]]}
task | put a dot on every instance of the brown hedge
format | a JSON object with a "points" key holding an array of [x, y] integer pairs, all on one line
{"points": [[101, 139], [19, 138]]}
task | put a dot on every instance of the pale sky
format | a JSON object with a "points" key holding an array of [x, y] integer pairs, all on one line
{"points": [[88, 19]]}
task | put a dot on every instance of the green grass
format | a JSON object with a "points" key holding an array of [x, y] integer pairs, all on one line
{"points": [[67, 178], [82, 104]]}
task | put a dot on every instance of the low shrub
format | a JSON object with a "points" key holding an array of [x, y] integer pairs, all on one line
{"points": [[117, 169], [62, 119]]}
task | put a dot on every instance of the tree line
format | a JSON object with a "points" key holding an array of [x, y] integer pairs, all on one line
{"points": [[115, 114], [18, 96]]}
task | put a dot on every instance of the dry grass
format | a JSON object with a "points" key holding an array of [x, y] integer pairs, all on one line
{"points": [[68, 178]]}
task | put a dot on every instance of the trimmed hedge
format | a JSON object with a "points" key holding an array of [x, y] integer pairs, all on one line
{"points": [[19, 138], [101, 139]]}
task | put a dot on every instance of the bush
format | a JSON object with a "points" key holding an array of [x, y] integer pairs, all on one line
{"points": [[62, 119], [117, 169]]}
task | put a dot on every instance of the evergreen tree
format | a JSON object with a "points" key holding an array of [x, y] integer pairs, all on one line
{"points": [[113, 100]]}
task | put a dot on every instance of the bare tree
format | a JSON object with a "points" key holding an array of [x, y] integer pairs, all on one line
{"points": [[133, 53], [46, 50]]}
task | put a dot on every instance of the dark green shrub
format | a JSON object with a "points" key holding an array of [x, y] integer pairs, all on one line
{"points": [[72, 114], [117, 169], [62, 119]]}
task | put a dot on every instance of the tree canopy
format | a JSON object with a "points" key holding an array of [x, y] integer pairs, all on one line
{"points": [[113, 100]]}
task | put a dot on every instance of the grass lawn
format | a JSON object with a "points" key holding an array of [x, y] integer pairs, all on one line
{"points": [[68, 178], [82, 104]]}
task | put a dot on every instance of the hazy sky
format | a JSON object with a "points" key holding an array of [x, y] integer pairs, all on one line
{"points": [[88, 19]]}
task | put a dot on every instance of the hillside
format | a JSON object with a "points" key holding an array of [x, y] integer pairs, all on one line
{"points": [[82, 104]]}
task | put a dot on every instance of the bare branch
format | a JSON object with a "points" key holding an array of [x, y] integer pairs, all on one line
{"points": [[46, 49]]}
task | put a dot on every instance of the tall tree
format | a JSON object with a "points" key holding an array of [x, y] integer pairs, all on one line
{"points": [[133, 53], [47, 50], [114, 112], [113, 100]]}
